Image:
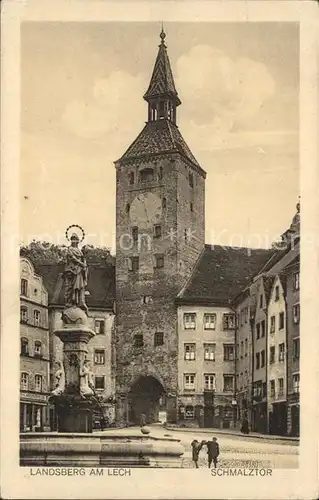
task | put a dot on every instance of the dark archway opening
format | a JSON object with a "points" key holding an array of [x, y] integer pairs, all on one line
{"points": [[145, 397]]}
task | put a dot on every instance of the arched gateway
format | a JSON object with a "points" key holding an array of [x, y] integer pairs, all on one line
{"points": [[145, 397]]}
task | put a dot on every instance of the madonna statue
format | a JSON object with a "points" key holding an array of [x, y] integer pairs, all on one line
{"points": [[75, 276]]}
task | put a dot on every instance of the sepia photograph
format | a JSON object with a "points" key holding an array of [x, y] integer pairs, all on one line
{"points": [[159, 245]]}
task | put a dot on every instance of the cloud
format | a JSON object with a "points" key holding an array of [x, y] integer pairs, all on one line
{"points": [[233, 91], [113, 110]]}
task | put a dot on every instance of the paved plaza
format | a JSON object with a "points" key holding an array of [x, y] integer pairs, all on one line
{"points": [[235, 451]]}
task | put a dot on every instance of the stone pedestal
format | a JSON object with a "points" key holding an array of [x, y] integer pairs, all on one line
{"points": [[73, 406]]}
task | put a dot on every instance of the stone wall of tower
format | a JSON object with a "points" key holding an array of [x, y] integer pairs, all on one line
{"points": [[133, 316]]}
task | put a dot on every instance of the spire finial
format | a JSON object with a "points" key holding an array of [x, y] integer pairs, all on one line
{"points": [[162, 35]]}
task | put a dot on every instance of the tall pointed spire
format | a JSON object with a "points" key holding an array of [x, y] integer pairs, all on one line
{"points": [[161, 94]]}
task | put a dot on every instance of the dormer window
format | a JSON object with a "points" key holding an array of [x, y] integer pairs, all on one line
{"points": [[146, 175]]}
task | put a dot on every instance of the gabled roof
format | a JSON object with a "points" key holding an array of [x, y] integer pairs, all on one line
{"points": [[101, 284], [162, 81], [157, 137], [221, 273]]}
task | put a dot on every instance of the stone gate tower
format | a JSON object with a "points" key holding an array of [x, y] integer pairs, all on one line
{"points": [[160, 203]]}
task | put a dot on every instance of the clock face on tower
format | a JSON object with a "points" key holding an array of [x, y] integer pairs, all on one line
{"points": [[146, 210]]}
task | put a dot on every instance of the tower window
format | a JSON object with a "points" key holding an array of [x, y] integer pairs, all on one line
{"points": [[160, 173], [135, 233], [159, 261], [99, 357], [146, 175], [161, 109], [134, 264], [99, 326], [157, 231], [99, 382], [163, 202], [192, 207], [158, 339], [131, 178], [191, 180], [138, 340]]}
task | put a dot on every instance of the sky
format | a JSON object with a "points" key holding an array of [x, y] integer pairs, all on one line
{"points": [[81, 107]]}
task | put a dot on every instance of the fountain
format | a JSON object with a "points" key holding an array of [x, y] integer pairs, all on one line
{"points": [[74, 398]]}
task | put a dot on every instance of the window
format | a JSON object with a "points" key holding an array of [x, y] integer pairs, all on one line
{"points": [[134, 264], [131, 178], [281, 356], [127, 208], [138, 340], [24, 347], [209, 352], [189, 321], [261, 301], [38, 383], [229, 353], [147, 299], [280, 387], [262, 359], [189, 351], [191, 180], [146, 175], [159, 261], [237, 350], [163, 203], [264, 389], [160, 173], [24, 381], [209, 381], [209, 321], [272, 324], [272, 355], [192, 207], [37, 348], [246, 314], [135, 234], [263, 328], [257, 360], [228, 383], [229, 321], [257, 330], [99, 326], [296, 348], [23, 314], [99, 382], [158, 339], [157, 231], [272, 388], [277, 292], [296, 313], [296, 279], [246, 347], [36, 318], [189, 412], [189, 381], [296, 382], [99, 357], [281, 320], [24, 287]]}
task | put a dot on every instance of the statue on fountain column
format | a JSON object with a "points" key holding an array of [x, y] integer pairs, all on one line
{"points": [[60, 380], [75, 274], [86, 379]]}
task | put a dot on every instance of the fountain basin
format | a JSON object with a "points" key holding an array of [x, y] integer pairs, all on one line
{"points": [[106, 449]]}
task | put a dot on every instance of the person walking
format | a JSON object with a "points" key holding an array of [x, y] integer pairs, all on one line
{"points": [[196, 447], [212, 452]]}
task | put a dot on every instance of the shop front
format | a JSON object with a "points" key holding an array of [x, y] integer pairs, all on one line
{"points": [[34, 412]]}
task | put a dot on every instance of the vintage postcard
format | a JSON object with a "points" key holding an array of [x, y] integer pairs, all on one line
{"points": [[159, 250]]}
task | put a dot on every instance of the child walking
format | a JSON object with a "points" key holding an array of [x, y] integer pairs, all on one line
{"points": [[196, 447]]}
